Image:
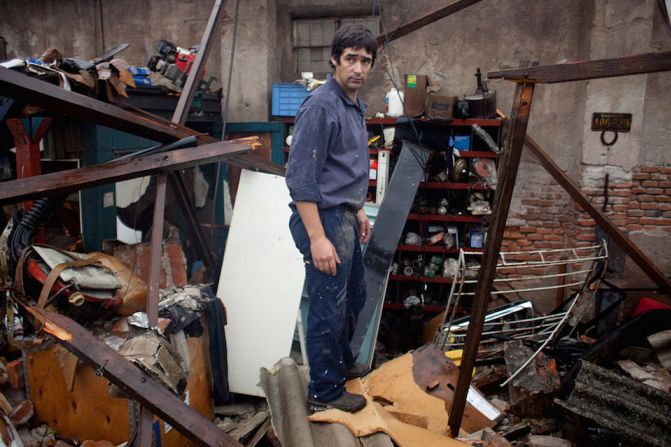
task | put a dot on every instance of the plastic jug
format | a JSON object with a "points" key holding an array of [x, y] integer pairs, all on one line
{"points": [[394, 101]]}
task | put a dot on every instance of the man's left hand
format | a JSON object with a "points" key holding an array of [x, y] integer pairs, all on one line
{"points": [[364, 225]]}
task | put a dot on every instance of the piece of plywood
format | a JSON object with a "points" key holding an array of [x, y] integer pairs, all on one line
{"points": [[81, 407], [261, 280]]}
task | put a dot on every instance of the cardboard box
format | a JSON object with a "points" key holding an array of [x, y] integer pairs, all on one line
{"points": [[415, 94], [440, 107]]}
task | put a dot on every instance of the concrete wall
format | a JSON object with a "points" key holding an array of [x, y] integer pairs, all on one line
{"points": [[86, 28]]}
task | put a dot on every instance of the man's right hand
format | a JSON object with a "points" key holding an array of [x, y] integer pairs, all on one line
{"points": [[324, 255]]}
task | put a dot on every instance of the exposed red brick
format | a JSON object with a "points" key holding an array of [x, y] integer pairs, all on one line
{"points": [[535, 237], [649, 169], [665, 184], [632, 220], [621, 193], [664, 206], [667, 190], [585, 237], [633, 227], [619, 221], [657, 176], [663, 198], [666, 170], [623, 185], [523, 243], [650, 184], [666, 213], [649, 206], [654, 221], [620, 207], [530, 202], [527, 230], [638, 190], [645, 198], [552, 237], [655, 191]]}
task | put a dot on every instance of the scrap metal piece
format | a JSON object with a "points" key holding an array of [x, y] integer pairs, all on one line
{"points": [[133, 381], [661, 343], [379, 252], [75, 179], [640, 412], [155, 355]]}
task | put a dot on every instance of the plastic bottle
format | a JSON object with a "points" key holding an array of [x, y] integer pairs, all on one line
{"points": [[394, 101]]}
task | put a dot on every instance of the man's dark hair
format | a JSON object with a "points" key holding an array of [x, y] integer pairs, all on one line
{"points": [[352, 36]]}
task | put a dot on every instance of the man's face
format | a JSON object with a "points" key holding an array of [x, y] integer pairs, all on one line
{"points": [[352, 69]]}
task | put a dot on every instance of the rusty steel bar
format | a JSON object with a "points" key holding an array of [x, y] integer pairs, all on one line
{"points": [[504, 191], [133, 381], [185, 98], [426, 19], [584, 70]]}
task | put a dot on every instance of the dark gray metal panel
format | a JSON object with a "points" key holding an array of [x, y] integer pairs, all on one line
{"points": [[389, 223], [627, 406]]}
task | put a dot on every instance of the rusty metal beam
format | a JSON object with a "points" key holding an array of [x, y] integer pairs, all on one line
{"points": [[426, 19], [134, 382], [75, 179], [27, 90], [185, 98], [596, 69], [642, 261], [504, 192]]}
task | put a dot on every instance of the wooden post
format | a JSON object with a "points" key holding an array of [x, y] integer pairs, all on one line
{"points": [[504, 191]]}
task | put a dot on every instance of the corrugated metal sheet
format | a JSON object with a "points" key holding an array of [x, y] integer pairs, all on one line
{"points": [[286, 390], [638, 411]]}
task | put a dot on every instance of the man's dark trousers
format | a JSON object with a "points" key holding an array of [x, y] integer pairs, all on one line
{"points": [[335, 301]]}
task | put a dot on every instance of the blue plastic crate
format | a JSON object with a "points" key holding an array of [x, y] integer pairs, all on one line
{"points": [[287, 98]]}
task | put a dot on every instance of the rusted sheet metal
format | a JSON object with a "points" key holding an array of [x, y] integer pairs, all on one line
{"points": [[646, 264], [504, 191], [426, 19], [596, 69], [132, 380], [75, 179], [627, 406], [27, 90]]}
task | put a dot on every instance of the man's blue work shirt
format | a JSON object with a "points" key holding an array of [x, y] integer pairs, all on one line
{"points": [[328, 160]]}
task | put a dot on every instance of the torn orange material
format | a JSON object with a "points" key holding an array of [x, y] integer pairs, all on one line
{"points": [[374, 418]]}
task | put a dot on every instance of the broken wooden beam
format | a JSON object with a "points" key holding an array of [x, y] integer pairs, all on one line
{"points": [[584, 70], [421, 21], [134, 382], [28, 90], [509, 163], [646, 264], [117, 170]]}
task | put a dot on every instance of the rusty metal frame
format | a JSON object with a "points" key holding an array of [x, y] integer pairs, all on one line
{"points": [[423, 20], [526, 79]]}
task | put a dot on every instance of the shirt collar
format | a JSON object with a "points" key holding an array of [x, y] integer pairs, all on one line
{"points": [[335, 86]]}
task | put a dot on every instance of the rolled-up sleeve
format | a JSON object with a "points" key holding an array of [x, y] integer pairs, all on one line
{"points": [[314, 130]]}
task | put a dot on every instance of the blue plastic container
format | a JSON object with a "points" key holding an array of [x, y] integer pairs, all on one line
{"points": [[287, 98]]}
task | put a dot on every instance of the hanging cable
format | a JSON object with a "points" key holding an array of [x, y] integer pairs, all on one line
{"points": [[224, 122]]}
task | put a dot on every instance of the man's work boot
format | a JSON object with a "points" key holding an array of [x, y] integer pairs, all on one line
{"points": [[357, 370], [348, 402]]}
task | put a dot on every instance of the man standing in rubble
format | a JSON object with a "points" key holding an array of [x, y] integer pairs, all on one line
{"points": [[327, 176]]}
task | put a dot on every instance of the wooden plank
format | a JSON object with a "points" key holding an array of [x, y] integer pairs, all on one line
{"points": [[426, 19], [642, 261], [131, 380], [504, 191], [584, 70], [28, 90], [114, 171]]}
